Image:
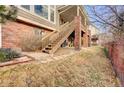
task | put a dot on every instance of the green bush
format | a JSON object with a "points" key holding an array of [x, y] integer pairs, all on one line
{"points": [[106, 52], [2, 57], [7, 54]]}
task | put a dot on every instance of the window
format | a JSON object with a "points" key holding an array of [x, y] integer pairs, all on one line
{"points": [[26, 7], [41, 10], [45, 11], [52, 6], [52, 15]]}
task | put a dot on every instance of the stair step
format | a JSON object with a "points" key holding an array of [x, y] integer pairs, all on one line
{"points": [[45, 51], [56, 41], [51, 45], [60, 37], [48, 48]]}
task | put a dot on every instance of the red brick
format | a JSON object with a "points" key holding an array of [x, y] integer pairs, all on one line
{"points": [[12, 32], [77, 41]]}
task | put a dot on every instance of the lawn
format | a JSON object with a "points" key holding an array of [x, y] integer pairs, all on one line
{"points": [[89, 67]]}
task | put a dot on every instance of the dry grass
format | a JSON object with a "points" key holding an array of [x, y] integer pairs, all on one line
{"points": [[87, 68]]}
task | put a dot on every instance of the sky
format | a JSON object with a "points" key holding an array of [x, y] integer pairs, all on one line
{"points": [[106, 13], [89, 12]]}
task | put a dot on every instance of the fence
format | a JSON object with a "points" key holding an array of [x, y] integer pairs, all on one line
{"points": [[116, 54]]}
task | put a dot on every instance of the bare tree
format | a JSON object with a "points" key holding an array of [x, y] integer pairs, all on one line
{"points": [[109, 18]]}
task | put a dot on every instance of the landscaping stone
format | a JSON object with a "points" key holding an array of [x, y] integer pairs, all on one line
{"points": [[16, 61]]}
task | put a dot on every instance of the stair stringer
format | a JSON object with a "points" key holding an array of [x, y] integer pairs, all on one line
{"points": [[63, 34], [60, 42]]}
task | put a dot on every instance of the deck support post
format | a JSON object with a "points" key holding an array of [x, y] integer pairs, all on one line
{"points": [[85, 40], [77, 41]]}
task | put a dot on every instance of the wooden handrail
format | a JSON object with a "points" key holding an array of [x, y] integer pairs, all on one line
{"points": [[64, 29], [48, 35], [56, 36], [63, 25], [63, 35]]}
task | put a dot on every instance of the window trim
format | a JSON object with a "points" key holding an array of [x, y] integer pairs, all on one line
{"points": [[33, 13], [53, 15], [54, 9]]}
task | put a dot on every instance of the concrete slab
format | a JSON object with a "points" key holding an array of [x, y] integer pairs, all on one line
{"points": [[44, 57]]}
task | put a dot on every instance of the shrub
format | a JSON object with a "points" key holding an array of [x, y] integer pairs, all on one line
{"points": [[106, 52], [31, 42], [2, 57], [7, 54]]}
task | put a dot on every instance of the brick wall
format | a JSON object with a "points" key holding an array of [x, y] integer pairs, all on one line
{"points": [[12, 32], [78, 38], [116, 54], [85, 40], [77, 41]]}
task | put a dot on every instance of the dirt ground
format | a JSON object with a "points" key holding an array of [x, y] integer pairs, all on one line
{"points": [[86, 68]]}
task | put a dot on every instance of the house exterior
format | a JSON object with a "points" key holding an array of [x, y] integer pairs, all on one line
{"points": [[57, 25], [94, 34], [105, 38]]}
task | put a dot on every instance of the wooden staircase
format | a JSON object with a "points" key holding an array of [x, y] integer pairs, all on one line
{"points": [[59, 37]]}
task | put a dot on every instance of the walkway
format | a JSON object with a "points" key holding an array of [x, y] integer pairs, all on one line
{"points": [[44, 57]]}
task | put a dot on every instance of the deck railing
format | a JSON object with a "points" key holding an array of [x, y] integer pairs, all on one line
{"points": [[63, 31], [45, 40], [63, 34]]}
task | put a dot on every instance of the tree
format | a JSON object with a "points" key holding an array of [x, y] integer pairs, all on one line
{"points": [[7, 13], [109, 18]]}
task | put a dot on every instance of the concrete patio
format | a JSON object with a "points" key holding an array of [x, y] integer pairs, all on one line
{"points": [[44, 57]]}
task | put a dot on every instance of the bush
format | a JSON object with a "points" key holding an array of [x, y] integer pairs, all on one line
{"points": [[31, 42], [7, 54], [106, 52], [2, 57]]}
